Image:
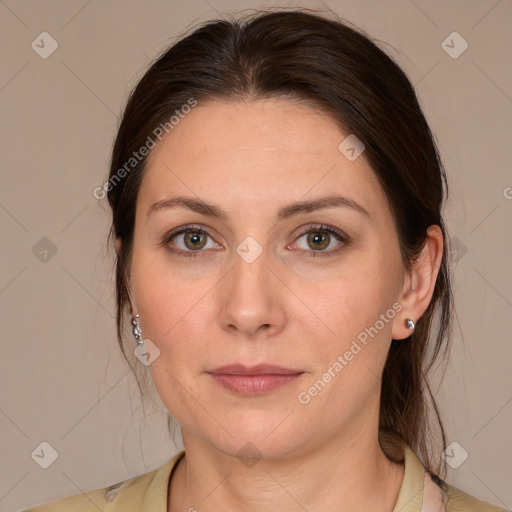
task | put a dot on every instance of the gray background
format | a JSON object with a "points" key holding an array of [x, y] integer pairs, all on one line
{"points": [[63, 379]]}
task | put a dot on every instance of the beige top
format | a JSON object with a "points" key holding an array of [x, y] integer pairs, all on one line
{"points": [[148, 493]]}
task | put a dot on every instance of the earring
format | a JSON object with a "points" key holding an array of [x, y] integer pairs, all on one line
{"points": [[137, 333], [410, 324]]}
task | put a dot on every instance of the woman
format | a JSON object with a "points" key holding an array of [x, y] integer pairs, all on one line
{"points": [[276, 196]]}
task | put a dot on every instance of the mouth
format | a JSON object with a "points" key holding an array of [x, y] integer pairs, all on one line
{"points": [[259, 369], [254, 380]]}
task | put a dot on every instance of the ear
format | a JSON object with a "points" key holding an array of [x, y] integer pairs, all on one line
{"points": [[419, 284], [118, 245]]}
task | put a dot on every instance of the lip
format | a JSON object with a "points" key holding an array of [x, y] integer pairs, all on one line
{"points": [[254, 380], [259, 369], [254, 384]]}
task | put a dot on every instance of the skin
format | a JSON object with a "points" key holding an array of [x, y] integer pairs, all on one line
{"points": [[252, 158]]}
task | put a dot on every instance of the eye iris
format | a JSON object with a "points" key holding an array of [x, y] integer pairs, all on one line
{"points": [[194, 237], [316, 237]]}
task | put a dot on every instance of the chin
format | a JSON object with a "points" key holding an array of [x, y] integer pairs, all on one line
{"points": [[254, 443]]}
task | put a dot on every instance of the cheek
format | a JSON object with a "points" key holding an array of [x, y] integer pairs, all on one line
{"points": [[347, 304], [357, 315], [171, 320], [349, 362], [165, 298]]}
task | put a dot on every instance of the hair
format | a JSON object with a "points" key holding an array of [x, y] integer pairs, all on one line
{"points": [[337, 69]]}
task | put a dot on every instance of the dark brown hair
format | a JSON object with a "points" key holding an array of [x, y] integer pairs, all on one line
{"points": [[337, 69]]}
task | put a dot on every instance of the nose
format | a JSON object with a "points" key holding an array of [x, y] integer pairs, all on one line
{"points": [[252, 297]]}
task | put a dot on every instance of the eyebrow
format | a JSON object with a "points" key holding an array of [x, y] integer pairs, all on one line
{"points": [[199, 206]]}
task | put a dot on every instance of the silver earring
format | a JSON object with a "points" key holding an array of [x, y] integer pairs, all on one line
{"points": [[137, 332], [410, 324]]}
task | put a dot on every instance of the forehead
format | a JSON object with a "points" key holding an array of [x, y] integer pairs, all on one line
{"points": [[259, 150], [279, 126]]}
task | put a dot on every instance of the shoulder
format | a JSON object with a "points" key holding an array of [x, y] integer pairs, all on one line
{"points": [[144, 492], [460, 501], [104, 499], [97, 499], [422, 491]]}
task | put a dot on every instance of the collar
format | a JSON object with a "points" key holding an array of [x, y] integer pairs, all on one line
{"points": [[418, 492], [410, 496]]}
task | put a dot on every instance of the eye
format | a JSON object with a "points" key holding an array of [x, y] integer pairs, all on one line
{"points": [[190, 240], [319, 238]]}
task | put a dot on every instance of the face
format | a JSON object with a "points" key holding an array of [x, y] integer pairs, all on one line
{"points": [[257, 287]]}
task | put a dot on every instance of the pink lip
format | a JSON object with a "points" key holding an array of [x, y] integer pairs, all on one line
{"points": [[259, 369], [253, 384], [254, 380]]}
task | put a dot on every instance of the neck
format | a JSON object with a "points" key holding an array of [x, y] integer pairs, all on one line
{"points": [[339, 474]]}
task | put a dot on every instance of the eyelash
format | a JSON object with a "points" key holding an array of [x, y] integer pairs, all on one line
{"points": [[311, 228]]}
